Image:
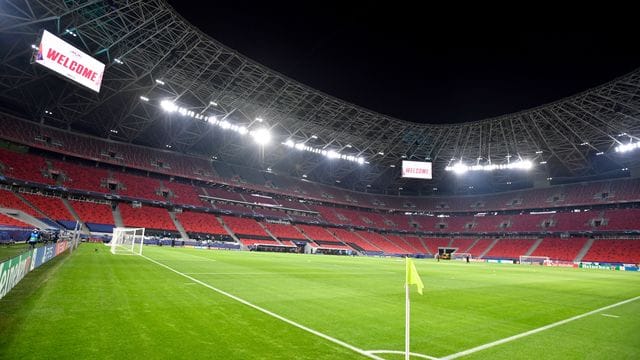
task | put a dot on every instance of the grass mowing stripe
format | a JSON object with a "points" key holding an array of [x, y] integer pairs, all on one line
{"points": [[265, 311], [534, 331]]}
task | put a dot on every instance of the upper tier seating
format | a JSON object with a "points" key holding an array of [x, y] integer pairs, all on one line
{"points": [[184, 194], [138, 187], [82, 177], [24, 167]]}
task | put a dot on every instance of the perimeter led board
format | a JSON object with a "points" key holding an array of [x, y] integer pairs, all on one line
{"points": [[416, 169], [64, 59]]}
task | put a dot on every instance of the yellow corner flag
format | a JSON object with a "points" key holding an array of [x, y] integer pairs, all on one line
{"points": [[412, 276]]}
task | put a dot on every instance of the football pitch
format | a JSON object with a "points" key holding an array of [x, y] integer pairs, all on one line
{"points": [[188, 303]]}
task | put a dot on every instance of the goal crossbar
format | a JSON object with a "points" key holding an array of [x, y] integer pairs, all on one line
{"points": [[127, 241]]}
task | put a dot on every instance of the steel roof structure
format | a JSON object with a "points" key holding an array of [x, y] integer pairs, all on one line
{"points": [[144, 41]]}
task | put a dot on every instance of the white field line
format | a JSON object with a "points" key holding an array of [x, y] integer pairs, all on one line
{"points": [[611, 316], [398, 352], [534, 331], [265, 311]]}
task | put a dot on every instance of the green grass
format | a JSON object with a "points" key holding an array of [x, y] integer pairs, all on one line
{"points": [[97, 305]]}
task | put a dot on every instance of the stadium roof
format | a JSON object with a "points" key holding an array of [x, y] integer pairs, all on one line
{"points": [[151, 51]]}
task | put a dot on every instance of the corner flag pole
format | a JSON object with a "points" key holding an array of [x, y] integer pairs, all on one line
{"points": [[412, 278], [407, 316]]}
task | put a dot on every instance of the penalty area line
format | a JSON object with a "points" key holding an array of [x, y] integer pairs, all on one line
{"points": [[398, 352], [534, 331], [270, 313]]}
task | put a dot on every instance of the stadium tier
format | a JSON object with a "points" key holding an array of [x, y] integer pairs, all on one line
{"points": [[167, 162], [480, 247], [560, 249], [146, 217], [354, 240], [53, 207], [510, 248], [82, 177], [183, 194], [138, 187], [316, 232], [97, 216], [10, 200], [400, 243], [202, 223], [7, 221], [417, 244], [614, 250], [284, 231], [244, 226], [462, 245], [433, 244], [23, 166]]}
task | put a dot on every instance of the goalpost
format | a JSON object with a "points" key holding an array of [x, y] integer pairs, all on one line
{"points": [[460, 256], [127, 241], [531, 260]]}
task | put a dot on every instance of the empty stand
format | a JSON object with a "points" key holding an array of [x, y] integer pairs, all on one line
{"points": [[560, 249], [510, 248], [203, 223], [616, 251], [147, 217]]}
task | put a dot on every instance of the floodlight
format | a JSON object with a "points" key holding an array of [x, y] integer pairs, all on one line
{"points": [[331, 154], [144, 98], [261, 136], [460, 168], [168, 106], [225, 124]]}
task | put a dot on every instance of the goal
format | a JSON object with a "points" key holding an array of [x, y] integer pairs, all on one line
{"points": [[127, 241], [533, 260], [460, 256]]}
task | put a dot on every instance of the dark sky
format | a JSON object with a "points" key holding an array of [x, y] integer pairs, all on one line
{"points": [[423, 66]]}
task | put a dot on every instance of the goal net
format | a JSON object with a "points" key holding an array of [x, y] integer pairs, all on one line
{"points": [[533, 260], [127, 241], [460, 256]]}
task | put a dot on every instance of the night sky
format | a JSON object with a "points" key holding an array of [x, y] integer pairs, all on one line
{"points": [[431, 67]]}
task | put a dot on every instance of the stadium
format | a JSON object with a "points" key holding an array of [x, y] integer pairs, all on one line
{"points": [[164, 196]]}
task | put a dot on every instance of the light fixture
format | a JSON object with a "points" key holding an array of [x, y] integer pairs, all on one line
{"points": [[261, 136]]}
